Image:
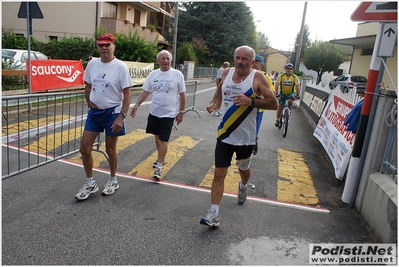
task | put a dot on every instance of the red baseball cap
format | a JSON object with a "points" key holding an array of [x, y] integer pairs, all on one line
{"points": [[105, 38]]}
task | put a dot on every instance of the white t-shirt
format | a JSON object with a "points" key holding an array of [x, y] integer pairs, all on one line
{"points": [[107, 82], [165, 87], [220, 73]]}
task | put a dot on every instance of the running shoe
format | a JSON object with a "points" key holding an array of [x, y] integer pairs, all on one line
{"points": [[158, 170], [111, 186], [212, 219], [156, 162], [277, 123], [242, 194], [86, 190]]}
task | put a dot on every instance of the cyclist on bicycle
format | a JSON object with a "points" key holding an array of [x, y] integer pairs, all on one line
{"points": [[287, 86]]}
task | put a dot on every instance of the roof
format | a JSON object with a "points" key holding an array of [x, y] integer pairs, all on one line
{"points": [[360, 42]]}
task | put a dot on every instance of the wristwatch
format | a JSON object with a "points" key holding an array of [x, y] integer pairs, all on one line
{"points": [[124, 115]]}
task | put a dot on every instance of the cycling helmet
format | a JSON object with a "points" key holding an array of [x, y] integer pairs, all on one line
{"points": [[289, 65]]}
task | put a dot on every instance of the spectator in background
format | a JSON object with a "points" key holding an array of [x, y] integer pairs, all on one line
{"points": [[257, 65], [218, 79], [108, 96], [167, 105], [273, 76], [287, 88]]}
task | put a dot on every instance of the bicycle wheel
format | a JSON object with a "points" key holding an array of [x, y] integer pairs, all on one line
{"points": [[284, 128]]}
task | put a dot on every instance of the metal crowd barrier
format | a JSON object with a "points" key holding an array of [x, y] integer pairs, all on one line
{"points": [[191, 92], [40, 128]]}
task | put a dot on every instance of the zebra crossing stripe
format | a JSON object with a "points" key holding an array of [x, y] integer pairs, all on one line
{"points": [[295, 184], [176, 150], [231, 180], [123, 142]]}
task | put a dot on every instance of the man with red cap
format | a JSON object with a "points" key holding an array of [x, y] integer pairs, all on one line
{"points": [[108, 96]]}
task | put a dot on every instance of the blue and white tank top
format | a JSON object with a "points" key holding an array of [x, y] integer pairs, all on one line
{"points": [[237, 126]]}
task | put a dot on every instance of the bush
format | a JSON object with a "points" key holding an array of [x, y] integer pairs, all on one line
{"points": [[185, 53], [12, 82], [129, 47]]}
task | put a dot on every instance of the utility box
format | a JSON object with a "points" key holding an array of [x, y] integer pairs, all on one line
{"points": [[188, 70]]}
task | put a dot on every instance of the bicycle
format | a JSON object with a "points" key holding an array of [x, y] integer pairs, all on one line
{"points": [[284, 118]]}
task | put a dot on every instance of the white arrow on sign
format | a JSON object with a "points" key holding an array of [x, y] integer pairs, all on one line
{"points": [[388, 40]]}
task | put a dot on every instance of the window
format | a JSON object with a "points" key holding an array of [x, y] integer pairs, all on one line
{"points": [[109, 10], [366, 52], [51, 37], [137, 16]]}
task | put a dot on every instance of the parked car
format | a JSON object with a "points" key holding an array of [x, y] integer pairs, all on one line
{"points": [[20, 56], [348, 81]]}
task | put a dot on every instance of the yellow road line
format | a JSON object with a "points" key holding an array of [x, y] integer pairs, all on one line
{"points": [[32, 124], [176, 150], [123, 142], [50, 142], [295, 184], [231, 180]]}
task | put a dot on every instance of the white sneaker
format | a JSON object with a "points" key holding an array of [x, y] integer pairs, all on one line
{"points": [[216, 113], [86, 190], [158, 170], [111, 186], [156, 162], [212, 219], [242, 194]]}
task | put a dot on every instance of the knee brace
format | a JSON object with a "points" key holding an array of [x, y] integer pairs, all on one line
{"points": [[243, 164]]}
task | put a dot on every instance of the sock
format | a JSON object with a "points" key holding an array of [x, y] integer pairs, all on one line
{"points": [[215, 208], [242, 186], [114, 178], [90, 181]]}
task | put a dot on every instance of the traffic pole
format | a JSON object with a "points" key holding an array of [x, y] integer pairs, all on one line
{"points": [[357, 157]]}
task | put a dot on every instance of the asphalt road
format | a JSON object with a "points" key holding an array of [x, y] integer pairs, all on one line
{"points": [[157, 223]]}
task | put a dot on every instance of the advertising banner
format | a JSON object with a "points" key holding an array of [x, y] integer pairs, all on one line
{"points": [[332, 134], [55, 74], [139, 71]]}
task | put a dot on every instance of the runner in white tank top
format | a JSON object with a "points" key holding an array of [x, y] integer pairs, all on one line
{"points": [[238, 123], [237, 95]]}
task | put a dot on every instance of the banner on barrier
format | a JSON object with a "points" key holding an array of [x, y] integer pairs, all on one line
{"points": [[55, 74], [139, 71], [58, 74], [332, 134]]}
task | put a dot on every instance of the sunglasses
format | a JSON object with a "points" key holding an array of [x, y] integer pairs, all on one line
{"points": [[105, 45], [288, 68]]}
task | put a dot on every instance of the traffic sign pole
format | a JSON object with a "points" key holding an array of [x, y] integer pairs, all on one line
{"points": [[358, 153], [381, 12]]}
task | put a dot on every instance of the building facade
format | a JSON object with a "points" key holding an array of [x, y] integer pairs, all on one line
{"points": [[151, 20]]}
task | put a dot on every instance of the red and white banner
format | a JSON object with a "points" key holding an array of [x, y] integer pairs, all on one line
{"points": [[55, 74], [332, 134]]}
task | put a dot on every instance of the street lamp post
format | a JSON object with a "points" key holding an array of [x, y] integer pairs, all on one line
{"points": [[298, 51]]}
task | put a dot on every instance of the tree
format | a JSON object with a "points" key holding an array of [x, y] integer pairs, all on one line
{"points": [[262, 41], [323, 57], [185, 52], [222, 25], [305, 44], [200, 49]]}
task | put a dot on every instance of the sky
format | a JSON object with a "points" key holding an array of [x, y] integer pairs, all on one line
{"points": [[281, 21]]}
